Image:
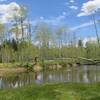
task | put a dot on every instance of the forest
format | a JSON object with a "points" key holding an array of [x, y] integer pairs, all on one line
{"points": [[20, 41]]}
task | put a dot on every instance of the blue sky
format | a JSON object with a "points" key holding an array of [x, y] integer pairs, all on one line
{"points": [[59, 12]]}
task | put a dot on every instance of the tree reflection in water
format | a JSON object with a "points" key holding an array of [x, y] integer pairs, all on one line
{"points": [[83, 74]]}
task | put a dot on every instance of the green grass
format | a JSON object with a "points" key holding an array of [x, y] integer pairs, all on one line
{"points": [[15, 65], [9, 65], [65, 91]]}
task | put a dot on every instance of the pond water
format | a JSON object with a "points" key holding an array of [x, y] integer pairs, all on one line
{"points": [[81, 74]]}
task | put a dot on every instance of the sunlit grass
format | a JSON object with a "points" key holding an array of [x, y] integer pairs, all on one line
{"points": [[53, 92], [9, 65]]}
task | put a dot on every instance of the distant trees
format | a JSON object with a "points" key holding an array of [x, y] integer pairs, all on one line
{"points": [[22, 42], [18, 46], [43, 37], [2, 39], [92, 50], [80, 43]]}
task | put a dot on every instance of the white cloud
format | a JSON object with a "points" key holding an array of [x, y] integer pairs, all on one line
{"points": [[74, 7], [7, 11], [55, 21], [89, 8], [41, 18], [64, 13], [72, 1], [61, 17]]}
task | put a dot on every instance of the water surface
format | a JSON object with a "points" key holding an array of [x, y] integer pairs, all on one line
{"points": [[80, 74]]}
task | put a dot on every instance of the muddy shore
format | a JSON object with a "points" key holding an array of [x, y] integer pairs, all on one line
{"points": [[4, 71]]}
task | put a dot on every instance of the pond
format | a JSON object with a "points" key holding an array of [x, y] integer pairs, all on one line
{"points": [[80, 74]]}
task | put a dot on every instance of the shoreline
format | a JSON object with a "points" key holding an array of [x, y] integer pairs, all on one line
{"points": [[4, 71]]}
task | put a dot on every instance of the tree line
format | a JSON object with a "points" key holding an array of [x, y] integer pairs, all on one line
{"points": [[22, 42]]}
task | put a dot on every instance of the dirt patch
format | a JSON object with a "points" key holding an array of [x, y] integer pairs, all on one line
{"points": [[4, 71]]}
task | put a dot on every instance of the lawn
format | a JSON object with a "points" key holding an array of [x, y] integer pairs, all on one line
{"points": [[64, 91]]}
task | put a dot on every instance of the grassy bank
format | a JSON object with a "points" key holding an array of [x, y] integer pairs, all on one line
{"points": [[10, 68], [9, 65], [53, 92], [45, 63]]}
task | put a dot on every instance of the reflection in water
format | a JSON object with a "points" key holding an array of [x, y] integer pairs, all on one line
{"points": [[38, 77], [85, 74], [82, 74]]}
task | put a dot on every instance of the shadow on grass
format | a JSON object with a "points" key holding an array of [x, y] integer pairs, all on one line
{"points": [[95, 98]]}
